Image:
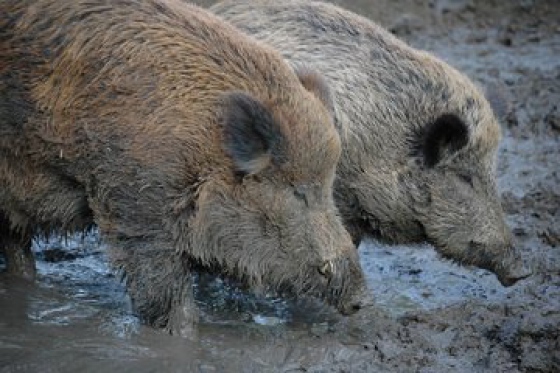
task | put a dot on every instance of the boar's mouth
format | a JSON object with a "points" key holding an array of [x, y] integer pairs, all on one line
{"points": [[335, 292], [344, 304], [508, 266], [343, 288]]}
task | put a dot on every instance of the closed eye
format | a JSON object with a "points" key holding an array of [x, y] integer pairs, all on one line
{"points": [[301, 196], [244, 177], [467, 179]]}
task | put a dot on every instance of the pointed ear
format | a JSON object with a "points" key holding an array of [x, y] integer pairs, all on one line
{"points": [[252, 137], [316, 84], [445, 136]]}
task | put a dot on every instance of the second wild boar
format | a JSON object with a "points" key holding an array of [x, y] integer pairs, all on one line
{"points": [[419, 138]]}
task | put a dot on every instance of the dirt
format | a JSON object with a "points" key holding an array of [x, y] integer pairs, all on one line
{"points": [[429, 316]]}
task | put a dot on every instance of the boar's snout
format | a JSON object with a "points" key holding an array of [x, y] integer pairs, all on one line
{"points": [[348, 291], [506, 262], [353, 305], [512, 269]]}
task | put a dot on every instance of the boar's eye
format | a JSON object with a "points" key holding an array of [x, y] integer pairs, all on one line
{"points": [[467, 179], [242, 177], [301, 195]]}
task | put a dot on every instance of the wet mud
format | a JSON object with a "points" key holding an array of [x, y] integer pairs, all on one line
{"points": [[429, 315]]}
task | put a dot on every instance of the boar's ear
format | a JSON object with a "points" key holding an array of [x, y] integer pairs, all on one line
{"points": [[316, 84], [252, 137], [443, 137]]}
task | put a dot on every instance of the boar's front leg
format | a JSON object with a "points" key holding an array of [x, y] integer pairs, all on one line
{"points": [[160, 285], [16, 247]]}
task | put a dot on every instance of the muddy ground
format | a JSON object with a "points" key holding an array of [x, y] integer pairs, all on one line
{"points": [[429, 316]]}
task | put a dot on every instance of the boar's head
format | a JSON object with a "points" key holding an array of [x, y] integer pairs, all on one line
{"points": [[436, 180], [272, 221]]}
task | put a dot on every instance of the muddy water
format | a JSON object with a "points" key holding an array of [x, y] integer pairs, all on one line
{"points": [[77, 316], [429, 315]]}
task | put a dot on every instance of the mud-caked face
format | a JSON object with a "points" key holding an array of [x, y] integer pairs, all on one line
{"points": [[274, 224]]}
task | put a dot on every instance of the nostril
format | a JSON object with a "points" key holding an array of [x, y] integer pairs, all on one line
{"points": [[350, 309]]}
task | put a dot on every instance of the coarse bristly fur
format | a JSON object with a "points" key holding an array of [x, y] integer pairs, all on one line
{"points": [[185, 141], [419, 139]]}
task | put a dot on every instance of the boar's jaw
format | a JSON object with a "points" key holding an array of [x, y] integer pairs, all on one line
{"points": [[363, 219], [338, 283], [511, 268], [269, 259], [505, 261], [390, 232], [329, 282]]}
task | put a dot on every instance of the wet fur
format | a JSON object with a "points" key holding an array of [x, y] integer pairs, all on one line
{"points": [[136, 116]]}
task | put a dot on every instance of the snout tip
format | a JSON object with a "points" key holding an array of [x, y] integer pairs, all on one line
{"points": [[516, 270], [508, 280], [355, 304], [350, 308]]}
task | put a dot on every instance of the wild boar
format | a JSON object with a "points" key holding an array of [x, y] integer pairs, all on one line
{"points": [[419, 138], [185, 141]]}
